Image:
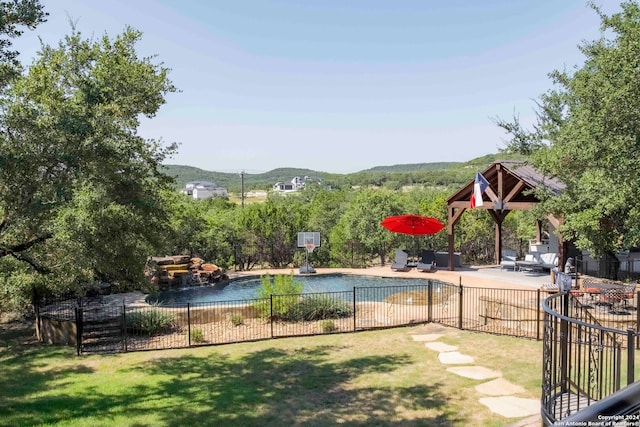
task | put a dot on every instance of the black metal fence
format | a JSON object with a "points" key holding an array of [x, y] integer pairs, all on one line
{"points": [[589, 350], [583, 360], [94, 326], [623, 268]]}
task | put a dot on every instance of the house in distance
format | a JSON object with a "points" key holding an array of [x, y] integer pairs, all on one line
{"points": [[295, 184], [204, 190]]}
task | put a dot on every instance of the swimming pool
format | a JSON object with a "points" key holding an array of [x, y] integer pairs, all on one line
{"points": [[377, 288]]}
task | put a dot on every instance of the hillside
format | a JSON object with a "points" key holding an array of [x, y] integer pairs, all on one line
{"points": [[434, 174]]}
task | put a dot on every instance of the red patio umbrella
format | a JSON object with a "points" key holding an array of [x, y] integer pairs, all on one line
{"points": [[414, 225]]}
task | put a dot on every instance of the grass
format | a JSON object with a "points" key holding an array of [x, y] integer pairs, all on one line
{"points": [[375, 378]]}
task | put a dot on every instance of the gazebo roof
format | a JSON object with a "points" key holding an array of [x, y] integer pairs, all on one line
{"points": [[512, 183], [511, 186]]}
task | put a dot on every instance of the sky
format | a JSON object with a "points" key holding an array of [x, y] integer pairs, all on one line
{"points": [[337, 86]]}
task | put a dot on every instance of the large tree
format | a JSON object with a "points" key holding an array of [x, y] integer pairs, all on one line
{"points": [[360, 224], [79, 188], [588, 135]]}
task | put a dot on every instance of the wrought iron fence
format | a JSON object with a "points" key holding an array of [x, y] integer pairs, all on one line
{"points": [[624, 268], [98, 327], [587, 357], [583, 360]]}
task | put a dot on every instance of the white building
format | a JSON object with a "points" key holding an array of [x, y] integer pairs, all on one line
{"points": [[204, 190], [296, 184]]}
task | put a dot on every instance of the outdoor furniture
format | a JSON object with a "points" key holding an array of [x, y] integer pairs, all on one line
{"points": [[628, 293], [613, 298], [427, 262], [607, 294], [401, 261], [538, 261], [442, 259], [550, 288], [530, 263], [508, 259]]}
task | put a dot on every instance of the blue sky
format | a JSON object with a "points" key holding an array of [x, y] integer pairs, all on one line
{"points": [[338, 85]]}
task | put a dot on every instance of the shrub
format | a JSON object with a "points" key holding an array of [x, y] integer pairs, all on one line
{"points": [[319, 307], [150, 321], [286, 289], [328, 326], [237, 319], [197, 335]]}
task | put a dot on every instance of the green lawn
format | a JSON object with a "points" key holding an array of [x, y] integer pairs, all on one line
{"points": [[375, 378]]}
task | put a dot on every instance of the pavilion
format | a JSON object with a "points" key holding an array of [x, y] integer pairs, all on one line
{"points": [[511, 187]]}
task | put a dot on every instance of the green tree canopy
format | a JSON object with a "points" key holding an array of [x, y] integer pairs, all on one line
{"points": [[14, 16], [588, 135], [74, 173]]}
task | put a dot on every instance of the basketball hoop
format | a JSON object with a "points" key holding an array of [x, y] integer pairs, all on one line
{"points": [[310, 246], [309, 240]]}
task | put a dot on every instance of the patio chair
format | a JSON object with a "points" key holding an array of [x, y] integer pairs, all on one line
{"points": [[628, 293], [401, 262], [427, 262]]}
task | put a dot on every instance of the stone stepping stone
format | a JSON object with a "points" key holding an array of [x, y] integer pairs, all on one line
{"points": [[454, 358], [499, 387], [426, 337], [511, 406], [474, 372], [440, 347]]}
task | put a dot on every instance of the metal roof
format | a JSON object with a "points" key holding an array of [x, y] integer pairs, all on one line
{"points": [[533, 176]]}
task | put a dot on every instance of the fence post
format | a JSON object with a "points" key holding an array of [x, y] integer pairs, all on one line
{"points": [[354, 309], [460, 305], [124, 326], [638, 318], [564, 344], [430, 300], [538, 313], [271, 313], [617, 366], [78, 330], [630, 356], [189, 323]]}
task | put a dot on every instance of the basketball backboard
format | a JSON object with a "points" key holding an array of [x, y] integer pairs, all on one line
{"points": [[305, 237]]}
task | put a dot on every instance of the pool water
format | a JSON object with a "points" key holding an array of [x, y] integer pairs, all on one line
{"points": [[246, 289]]}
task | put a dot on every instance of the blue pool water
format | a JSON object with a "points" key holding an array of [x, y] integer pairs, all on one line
{"points": [[246, 289]]}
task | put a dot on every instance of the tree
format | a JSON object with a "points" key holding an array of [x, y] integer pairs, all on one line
{"points": [[13, 16], [74, 173], [590, 125], [271, 228], [325, 210], [361, 222]]}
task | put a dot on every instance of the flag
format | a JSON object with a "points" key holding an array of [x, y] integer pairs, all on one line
{"points": [[479, 187]]}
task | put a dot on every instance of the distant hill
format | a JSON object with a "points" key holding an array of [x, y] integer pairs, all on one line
{"points": [[414, 167], [264, 181], [232, 181]]}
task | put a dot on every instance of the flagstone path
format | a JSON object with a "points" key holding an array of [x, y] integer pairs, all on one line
{"points": [[497, 394]]}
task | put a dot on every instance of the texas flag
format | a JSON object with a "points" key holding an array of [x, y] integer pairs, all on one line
{"points": [[479, 187]]}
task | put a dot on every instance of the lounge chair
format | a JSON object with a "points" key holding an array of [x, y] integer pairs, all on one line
{"points": [[401, 262], [427, 262]]}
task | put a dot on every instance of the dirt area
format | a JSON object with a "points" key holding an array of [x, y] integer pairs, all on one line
{"points": [[16, 333]]}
